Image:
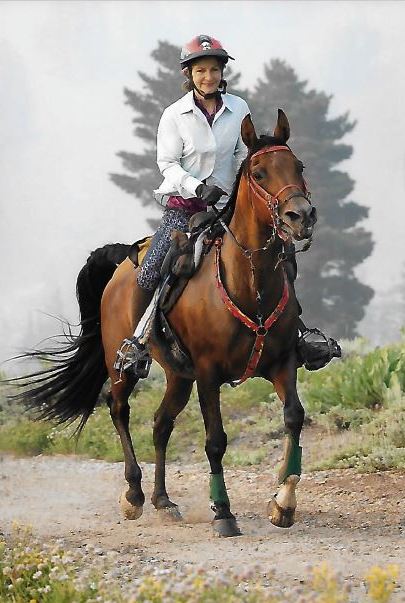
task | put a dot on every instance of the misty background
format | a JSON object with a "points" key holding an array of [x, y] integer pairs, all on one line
{"points": [[63, 68]]}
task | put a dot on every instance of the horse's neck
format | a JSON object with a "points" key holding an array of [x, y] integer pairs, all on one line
{"points": [[251, 233]]}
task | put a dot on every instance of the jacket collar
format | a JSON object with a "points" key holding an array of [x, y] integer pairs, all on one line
{"points": [[187, 102]]}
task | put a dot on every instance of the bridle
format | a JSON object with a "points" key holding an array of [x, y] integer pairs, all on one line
{"points": [[272, 202]]}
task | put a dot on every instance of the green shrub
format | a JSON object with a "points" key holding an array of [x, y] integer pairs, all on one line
{"points": [[358, 382], [25, 437]]}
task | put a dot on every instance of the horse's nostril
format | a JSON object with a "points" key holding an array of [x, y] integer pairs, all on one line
{"points": [[293, 216], [312, 215]]}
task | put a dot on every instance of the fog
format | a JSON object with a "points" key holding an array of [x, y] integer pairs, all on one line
{"points": [[63, 67]]}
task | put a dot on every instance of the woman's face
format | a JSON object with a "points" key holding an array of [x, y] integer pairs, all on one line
{"points": [[207, 74]]}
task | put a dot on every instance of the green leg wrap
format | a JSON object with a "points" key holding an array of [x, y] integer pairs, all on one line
{"points": [[292, 459], [218, 493]]}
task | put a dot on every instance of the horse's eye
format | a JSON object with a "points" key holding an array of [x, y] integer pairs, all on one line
{"points": [[257, 175]]}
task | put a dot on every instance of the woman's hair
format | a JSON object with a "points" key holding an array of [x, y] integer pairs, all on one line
{"points": [[187, 86]]}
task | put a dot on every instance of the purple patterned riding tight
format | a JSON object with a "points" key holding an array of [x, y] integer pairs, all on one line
{"points": [[149, 275]]}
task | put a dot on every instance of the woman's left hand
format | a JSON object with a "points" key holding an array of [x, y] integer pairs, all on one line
{"points": [[209, 194]]}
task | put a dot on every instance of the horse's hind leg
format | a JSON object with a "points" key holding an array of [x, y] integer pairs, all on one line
{"points": [[177, 395], [133, 499], [224, 523], [282, 507], [116, 325]]}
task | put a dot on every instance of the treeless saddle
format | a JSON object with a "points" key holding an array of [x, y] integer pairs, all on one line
{"points": [[180, 264]]}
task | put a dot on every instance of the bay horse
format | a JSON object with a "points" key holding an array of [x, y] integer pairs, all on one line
{"points": [[237, 318]]}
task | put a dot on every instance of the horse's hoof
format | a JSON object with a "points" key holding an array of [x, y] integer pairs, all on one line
{"points": [[225, 528], [282, 518], [170, 514], [129, 511]]}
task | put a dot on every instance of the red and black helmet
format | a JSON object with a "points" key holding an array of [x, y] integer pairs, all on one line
{"points": [[203, 46]]}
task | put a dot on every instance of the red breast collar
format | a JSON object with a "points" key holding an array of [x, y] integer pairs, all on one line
{"points": [[261, 330]]}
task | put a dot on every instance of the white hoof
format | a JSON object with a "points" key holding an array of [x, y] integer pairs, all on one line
{"points": [[281, 509], [129, 511]]}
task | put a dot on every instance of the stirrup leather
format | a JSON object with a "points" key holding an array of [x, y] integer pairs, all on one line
{"points": [[316, 354], [133, 356]]}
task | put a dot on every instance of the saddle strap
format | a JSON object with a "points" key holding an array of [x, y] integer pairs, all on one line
{"points": [[261, 330]]}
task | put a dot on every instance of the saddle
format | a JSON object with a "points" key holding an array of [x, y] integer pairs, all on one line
{"points": [[183, 259], [180, 264]]}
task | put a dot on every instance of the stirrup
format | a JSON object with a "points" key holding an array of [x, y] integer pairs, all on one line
{"points": [[133, 357], [317, 353]]}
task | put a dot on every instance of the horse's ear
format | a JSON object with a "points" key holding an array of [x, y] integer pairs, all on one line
{"points": [[248, 132], [282, 129]]}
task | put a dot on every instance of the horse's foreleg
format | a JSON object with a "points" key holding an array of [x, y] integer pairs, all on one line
{"points": [[133, 499], [282, 507], [224, 522], [175, 399]]}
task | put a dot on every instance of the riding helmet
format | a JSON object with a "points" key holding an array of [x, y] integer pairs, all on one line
{"points": [[203, 46]]}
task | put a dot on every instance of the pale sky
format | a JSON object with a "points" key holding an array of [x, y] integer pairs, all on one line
{"points": [[63, 67]]}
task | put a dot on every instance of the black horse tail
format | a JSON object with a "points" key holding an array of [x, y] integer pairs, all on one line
{"points": [[70, 387]]}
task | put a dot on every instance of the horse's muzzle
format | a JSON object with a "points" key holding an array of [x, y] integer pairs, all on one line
{"points": [[299, 222]]}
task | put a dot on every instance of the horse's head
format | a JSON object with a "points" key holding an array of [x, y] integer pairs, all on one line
{"points": [[276, 185]]}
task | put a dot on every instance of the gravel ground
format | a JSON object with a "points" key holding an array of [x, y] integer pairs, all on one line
{"points": [[352, 521]]}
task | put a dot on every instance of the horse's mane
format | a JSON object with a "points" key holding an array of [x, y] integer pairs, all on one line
{"points": [[265, 140]]}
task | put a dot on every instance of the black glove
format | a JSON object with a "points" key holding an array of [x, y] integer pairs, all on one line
{"points": [[209, 194]]}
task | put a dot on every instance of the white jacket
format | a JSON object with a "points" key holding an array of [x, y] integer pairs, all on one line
{"points": [[189, 150]]}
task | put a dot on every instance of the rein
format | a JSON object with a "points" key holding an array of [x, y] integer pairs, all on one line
{"points": [[272, 202]]}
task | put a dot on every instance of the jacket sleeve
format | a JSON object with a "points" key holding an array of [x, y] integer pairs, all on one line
{"points": [[169, 153], [241, 150]]}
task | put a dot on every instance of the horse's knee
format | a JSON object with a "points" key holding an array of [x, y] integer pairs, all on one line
{"points": [[294, 415], [215, 447]]}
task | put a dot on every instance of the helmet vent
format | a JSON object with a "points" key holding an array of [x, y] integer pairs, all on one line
{"points": [[205, 42]]}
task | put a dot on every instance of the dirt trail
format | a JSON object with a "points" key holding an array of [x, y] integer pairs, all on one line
{"points": [[352, 521]]}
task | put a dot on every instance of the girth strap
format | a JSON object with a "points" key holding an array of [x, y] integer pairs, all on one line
{"points": [[261, 330]]}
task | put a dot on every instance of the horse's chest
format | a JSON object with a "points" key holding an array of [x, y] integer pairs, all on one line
{"points": [[233, 352]]}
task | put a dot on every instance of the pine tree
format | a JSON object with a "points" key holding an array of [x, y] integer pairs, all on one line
{"points": [[159, 92], [332, 297]]}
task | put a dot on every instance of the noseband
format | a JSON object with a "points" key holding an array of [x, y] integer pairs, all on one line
{"points": [[271, 201]]}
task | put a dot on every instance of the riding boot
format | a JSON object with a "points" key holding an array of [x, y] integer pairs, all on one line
{"points": [[134, 355], [314, 349]]}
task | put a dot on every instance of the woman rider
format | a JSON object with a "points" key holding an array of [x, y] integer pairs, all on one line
{"points": [[199, 151]]}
